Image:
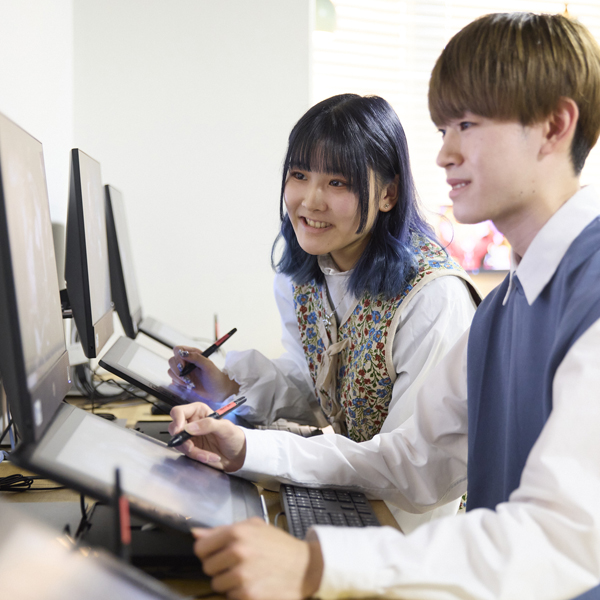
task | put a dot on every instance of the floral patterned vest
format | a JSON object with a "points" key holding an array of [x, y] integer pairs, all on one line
{"points": [[352, 365]]}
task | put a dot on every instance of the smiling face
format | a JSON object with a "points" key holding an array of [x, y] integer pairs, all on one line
{"points": [[492, 167], [324, 213]]}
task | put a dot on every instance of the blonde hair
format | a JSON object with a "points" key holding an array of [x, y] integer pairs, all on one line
{"points": [[517, 66]]}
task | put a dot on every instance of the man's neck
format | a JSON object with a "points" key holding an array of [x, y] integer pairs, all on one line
{"points": [[521, 227]]}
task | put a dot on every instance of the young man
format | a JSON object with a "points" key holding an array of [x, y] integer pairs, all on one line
{"points": [[514, 409]]}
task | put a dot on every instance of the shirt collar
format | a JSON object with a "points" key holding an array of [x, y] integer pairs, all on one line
{"points": [[328, 266], [551, 243]]}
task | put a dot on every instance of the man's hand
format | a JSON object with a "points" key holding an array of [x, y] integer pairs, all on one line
{"points": [[255, 561], [219, 443]]}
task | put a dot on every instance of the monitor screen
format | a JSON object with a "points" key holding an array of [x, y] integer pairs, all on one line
{"points": [[33, 358], [86, 255], [37, 563], [122, 273]]}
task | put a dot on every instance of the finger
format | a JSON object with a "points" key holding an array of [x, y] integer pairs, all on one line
{"points": [[199, 454], [204, 427], [227, 582], [219, 562], [190, 354], [210, 541], [176, 377], [199, 532], [184, 413], [176, 363]]}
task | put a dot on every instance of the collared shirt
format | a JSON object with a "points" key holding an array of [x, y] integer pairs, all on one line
{"points": [[543, 543], [283, 388], [428, 327]]}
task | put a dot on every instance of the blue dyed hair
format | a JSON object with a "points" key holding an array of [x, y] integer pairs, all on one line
{"points": [[353, 136]]}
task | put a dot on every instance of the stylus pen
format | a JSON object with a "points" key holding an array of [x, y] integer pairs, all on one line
{"points": [[224, 410], [122, 521], [191, 366]]}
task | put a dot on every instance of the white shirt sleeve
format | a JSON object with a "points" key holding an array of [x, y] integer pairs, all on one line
{"points": [[418, 466], [543, 543], [429, 326], [281, 387]]}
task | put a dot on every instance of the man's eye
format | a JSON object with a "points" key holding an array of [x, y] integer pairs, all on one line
{"points": [[465, 125], [442, 132]]}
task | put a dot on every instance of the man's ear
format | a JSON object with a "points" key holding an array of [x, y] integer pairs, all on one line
{"points": [[389, 195], [560, 127]]}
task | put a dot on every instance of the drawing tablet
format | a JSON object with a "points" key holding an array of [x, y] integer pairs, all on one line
{"points": [[36, 563], [82, 451], [146, 369]]}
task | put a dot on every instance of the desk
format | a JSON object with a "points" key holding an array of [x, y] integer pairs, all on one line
{"points": [[140, 411]]}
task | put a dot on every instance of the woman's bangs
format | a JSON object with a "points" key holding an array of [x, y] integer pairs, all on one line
{"points": [[326, 155]]}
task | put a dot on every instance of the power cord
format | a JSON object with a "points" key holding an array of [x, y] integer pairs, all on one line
{"points": [[279, 514], [23, 483]]}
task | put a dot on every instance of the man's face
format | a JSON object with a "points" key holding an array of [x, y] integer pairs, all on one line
{"points": [[491, 166]]}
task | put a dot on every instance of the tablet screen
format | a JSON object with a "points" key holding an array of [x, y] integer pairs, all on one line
{"points": [[85, 450], [35, 563]]}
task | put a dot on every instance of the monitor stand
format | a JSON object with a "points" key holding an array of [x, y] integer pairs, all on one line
{"points": [[160, 552]]}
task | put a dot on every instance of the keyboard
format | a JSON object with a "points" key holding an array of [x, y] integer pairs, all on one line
{"points": [[305, 507], [291, 427]]}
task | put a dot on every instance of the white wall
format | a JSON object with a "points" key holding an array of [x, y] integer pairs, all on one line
{"points": [[36, 82], [187, 105]]}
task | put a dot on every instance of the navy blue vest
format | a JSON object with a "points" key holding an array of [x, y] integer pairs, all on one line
{"points": [[513, 353]]}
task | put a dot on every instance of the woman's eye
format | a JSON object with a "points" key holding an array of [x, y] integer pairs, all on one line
{"points": [[298, 175], [337, 183]]}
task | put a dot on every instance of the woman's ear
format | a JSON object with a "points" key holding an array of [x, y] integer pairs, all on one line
{"points": [[389, 195]]}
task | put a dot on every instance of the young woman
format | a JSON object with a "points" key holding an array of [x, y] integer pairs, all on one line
{"points": [[368, 300]]}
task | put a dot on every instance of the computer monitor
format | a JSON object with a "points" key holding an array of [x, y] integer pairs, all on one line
{"points": [[123, 283], [86, 255], [33, 357]]}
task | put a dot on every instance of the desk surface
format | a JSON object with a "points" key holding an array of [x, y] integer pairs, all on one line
{"points": [[133, 412]]}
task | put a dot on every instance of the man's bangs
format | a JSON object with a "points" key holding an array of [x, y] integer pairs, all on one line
{"points": [[457, 89]]}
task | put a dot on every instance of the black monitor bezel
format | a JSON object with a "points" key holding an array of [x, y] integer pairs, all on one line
{"points": [[93, 336], [55, 383], [129, 320]]}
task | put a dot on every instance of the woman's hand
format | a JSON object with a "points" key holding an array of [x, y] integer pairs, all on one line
{"points": [[255, 561], [216, 442], [206, 379]]}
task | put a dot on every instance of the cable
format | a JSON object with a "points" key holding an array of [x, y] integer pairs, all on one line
{"points": [[279, 514], [23, 483], [10, 422]]}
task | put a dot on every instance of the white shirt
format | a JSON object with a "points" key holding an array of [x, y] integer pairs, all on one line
{"points": [[282, 388], [543, 543], [429, 326]]}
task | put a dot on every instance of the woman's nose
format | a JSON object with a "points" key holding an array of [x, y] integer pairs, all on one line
{"points": [[313, 198]]}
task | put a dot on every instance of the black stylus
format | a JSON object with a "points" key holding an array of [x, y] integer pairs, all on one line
{"points": [[191, 366], [178, 439]]}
